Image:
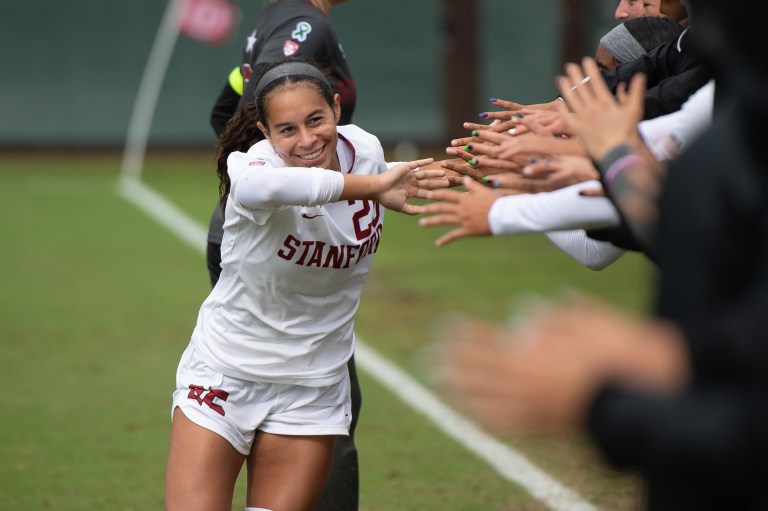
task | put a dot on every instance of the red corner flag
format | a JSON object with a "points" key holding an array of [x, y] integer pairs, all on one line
{"points": [[208, 21]]}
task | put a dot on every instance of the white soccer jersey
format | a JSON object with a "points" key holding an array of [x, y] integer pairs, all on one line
{"points": [[292, 274]]}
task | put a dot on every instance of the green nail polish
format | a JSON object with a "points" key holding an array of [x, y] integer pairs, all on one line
{"points": [[474, 133], [484, 178]]}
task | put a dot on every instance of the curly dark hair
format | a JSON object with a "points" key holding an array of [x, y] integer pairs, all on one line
{"points": [[240, 133]]}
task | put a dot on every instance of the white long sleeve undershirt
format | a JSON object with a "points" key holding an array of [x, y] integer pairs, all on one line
{"points": [[562, 209], [667, 135], [289, 186], [562, 215], [593, 254]]}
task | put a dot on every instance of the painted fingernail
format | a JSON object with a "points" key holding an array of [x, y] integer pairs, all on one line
{"points": [[511, 131], [484, 178], [533, 159], [474, 133], [527, 171], [483, 115], [469, 147], [520, 115], [472, 162], [493, 100]]}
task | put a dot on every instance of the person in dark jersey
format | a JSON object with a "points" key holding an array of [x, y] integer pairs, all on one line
{"points": [[294, 28]]}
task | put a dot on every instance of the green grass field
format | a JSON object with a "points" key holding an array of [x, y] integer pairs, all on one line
{"points": [[98, 302]]}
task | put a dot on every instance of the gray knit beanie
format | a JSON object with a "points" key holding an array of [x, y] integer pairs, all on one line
{"points": [[621, 44]]}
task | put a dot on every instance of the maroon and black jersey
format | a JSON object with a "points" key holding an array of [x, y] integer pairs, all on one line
{"points": [[287, 28]]}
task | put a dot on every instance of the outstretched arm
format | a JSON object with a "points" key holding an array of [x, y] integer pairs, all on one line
{"points": [[269, 188], [395, 186]]}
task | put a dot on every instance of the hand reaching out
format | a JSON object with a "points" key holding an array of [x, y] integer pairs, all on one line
{"points": [[467, 211], [404, 181], [543, 375], [477, 169], [601, 121], [547, 175], [496, 127]]}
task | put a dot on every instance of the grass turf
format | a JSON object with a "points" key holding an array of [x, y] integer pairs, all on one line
{"points": [[99, 301]]}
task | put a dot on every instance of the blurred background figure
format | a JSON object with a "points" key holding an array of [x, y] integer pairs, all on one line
{"points": [[631, 9], [634, 38]]}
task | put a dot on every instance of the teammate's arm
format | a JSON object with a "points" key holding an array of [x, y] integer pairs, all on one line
{"points": [[226, 104], [275, 187]]}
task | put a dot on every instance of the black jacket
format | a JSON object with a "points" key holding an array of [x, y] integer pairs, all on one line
{"points": [[674, 71], [285, 28], [705, 448]]}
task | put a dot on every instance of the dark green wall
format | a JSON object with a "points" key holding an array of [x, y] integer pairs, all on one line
{"points": [[70, 70]]}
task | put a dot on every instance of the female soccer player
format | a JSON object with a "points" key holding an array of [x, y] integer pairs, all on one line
{"points": [[264, 379]]}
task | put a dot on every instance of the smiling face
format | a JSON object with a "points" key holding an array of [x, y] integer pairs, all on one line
{"points": [[631, 9], [301, 125]]}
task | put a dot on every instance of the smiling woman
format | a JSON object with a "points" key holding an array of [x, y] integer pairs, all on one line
{"points": [[264, 380], [306, 136]]}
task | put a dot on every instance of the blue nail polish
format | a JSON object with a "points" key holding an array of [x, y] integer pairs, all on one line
{"points": [[484, 115], [533, 159], [519, 115], [493, 100]]}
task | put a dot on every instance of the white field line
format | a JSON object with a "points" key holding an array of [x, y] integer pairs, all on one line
{"points": [[149, 90], [507, 462], [156, 206]]}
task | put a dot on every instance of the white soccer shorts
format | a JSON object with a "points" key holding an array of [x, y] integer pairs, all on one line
{"points": [[235, 408]]}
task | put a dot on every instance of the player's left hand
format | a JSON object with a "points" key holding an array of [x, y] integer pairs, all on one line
{"points": [[410, 180]]}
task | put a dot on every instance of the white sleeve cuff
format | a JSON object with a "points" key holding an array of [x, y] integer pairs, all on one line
{"points": [[562, 209], [593, 254]]}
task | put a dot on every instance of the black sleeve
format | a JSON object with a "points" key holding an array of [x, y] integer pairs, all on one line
{"points": [[621, 236], [702, 425], [701, 449], [670, 93], [734, 342], [224, 108], [672, 76]]}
